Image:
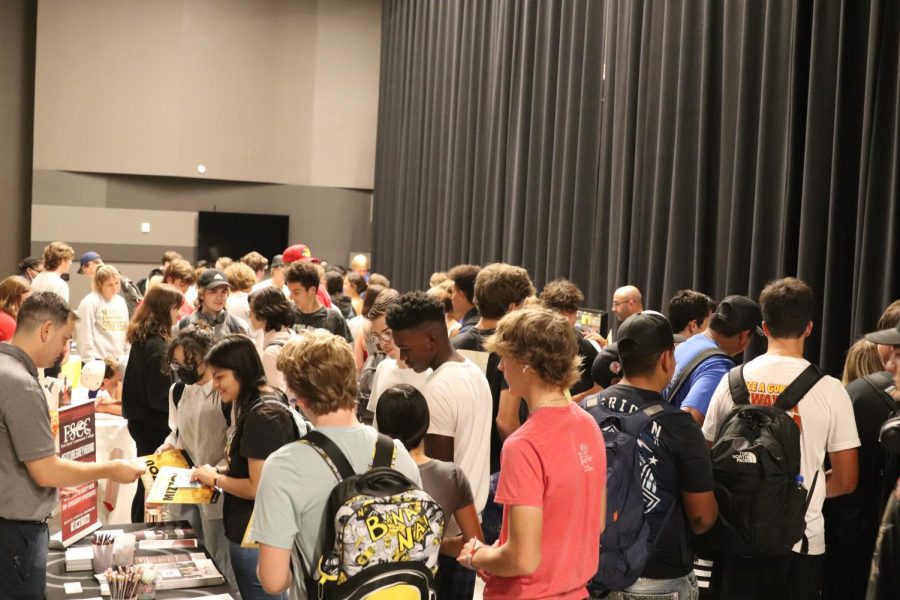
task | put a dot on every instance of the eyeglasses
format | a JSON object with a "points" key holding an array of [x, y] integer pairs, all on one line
{"points": [[616, 303], [174, 366], [384, 336]]}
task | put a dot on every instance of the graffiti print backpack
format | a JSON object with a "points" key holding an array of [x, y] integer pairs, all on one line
{"points": [[382, 533]]}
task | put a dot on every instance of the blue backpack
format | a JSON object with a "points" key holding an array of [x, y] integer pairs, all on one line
{"points": [[626, 543]]}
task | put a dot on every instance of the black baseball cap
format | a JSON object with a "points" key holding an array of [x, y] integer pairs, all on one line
{"points": [[212, 278], [736, 314], [886, 337], [644, 333], [607, 366]]}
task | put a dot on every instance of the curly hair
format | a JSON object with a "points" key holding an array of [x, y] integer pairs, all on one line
{"points": [[307, 274], [413, 310], [271, 307], [194, 340], [55, 253], [154, 315], [319, 367], [497, 286], [541, 339], [255, 261], [562, 295]]}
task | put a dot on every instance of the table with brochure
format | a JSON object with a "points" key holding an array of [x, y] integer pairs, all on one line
{"points": [[61, 582]]}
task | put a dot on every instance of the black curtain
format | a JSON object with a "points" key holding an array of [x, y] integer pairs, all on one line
{"points": [[704, 144]]}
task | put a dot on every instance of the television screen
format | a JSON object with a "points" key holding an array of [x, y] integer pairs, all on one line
{"points": [[235, 234]]}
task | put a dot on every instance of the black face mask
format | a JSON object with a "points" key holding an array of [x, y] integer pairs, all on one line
{"points": [[189, 376]]}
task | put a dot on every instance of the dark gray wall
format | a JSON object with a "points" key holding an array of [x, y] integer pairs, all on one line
{"points": [[18, 23]]}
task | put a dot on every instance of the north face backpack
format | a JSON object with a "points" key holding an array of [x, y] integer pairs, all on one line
{"points": [[756, 468], [626, 543], [382, 533]]}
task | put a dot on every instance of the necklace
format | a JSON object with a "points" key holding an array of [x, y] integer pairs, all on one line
{"points": [[548, 402]]}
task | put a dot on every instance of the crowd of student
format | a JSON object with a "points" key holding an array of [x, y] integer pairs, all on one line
{"points": [[471, 430]]}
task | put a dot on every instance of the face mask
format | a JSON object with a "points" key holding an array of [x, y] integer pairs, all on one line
{"points": [[189, 376]]}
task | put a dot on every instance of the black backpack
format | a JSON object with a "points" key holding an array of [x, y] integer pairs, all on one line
{"points": [[685, 374], [382, 533], [756, 467], [132, 295], [889, 434]]}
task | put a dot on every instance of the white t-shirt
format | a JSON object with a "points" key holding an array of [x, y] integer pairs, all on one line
{"points": [[238, 305], [260, 285], [459, 400], [50, 281], [388, 374], [825, 417]]}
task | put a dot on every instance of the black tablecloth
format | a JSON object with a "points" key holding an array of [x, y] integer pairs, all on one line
{"points": [[57, 574]]}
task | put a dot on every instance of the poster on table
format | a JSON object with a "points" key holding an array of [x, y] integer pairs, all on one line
{"points": [[77, 437]]}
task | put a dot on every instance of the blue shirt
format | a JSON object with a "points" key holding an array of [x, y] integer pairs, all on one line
{"points": [[698, 389]]}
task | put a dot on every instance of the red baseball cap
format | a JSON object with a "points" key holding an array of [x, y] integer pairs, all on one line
{"points": [[298, 252]]}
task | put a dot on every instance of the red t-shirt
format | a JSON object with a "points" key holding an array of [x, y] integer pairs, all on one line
{"points": [[556, 461], [7, 327]]}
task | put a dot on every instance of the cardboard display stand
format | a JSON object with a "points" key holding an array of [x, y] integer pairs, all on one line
{"points": [[77, 440]]}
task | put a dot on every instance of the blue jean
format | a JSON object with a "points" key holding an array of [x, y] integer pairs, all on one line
{"points": [[683, 588], [244, 561], [23, 559]]}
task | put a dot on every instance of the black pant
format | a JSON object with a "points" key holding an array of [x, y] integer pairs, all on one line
{"points": [[791, 577], [23, 559], [147, 437]]}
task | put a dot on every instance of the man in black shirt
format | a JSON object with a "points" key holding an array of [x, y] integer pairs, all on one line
{"points": [[463, 295], [851, 521], [303, 280], [675, 463]]}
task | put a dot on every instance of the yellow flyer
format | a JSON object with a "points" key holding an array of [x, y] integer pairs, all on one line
{"points": [[174, 486], [155, 462]]}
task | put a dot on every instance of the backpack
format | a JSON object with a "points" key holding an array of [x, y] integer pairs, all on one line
{"points": [[685, 374], [756, 467], [366, 378], [382, 533], [131, 294], [626, 543], [889, 434]]}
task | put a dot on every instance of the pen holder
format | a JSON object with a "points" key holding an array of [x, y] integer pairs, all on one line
{"points": [[147, 588], [102, 557]]}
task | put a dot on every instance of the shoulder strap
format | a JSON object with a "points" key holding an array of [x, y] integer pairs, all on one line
{"points": [[331, 453], [798, 388], [881, 383], [384, 452], [279, 343], [738, 386], [177, 392], [689, 369]]}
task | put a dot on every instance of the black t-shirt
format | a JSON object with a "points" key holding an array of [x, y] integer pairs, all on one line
{"points": [[324, 318], [588, 353], [851, 521], [473, 340], [678, 461], [261, 431]]}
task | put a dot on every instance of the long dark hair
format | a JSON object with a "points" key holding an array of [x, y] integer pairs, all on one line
{"points": [[402, 414], [154, 315], [237, 353]]}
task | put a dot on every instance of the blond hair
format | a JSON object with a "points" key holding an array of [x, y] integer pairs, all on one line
{"points": [[862, 359], [103, 274], [319, 367], [240, 276], [541, 339]]}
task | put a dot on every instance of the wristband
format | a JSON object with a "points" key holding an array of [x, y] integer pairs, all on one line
{"points": [[216, 482]]}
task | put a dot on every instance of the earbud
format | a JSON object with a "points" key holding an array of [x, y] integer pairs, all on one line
{"points": [[525, 368]]}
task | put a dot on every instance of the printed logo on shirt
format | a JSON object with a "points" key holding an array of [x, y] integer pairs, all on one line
{"points": [[744, 457], [585, 457], [765, 394]]}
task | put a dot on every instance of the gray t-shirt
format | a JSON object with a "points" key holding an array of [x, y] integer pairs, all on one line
{"points": [[447, 484], [24, 436], [283, 515]]}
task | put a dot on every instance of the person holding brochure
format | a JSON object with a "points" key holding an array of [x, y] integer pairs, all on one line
{"points": [[30, 469], [263, 423], [199, 429]]}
